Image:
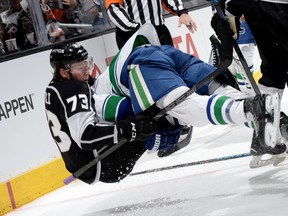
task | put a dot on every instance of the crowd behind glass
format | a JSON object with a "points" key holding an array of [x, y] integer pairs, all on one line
{"points": [[26, 24]]}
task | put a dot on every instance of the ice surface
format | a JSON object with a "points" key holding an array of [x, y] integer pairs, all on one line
{"points": [[225, 188]]}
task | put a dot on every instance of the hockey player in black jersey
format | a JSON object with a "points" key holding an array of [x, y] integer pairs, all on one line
{"points": [[81, 136], [268, 22]]}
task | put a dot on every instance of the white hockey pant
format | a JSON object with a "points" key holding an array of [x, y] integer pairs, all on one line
{"points": [[198, 110]]}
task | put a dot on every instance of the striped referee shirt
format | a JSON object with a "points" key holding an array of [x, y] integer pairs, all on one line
{"points": [[128, 14]]}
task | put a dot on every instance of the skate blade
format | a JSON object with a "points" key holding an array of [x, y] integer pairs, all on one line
{"points": [[276, 160], [257, 161], [284, 132], [281, 160], [272, 130]]}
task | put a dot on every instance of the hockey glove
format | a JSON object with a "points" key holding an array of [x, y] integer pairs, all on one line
{"points": [[164, 139], [136, 128], [237, 7], [223, 31]]}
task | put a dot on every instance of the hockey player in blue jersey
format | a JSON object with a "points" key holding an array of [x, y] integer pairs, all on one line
{"points": [[152, 75], [86, 122]]}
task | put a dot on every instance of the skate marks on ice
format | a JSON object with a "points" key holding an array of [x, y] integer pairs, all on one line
{"points": [[140, 207], [235, 191], [194, 163]]}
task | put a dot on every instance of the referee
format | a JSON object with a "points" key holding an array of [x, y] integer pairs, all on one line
{"points": [[129, 15]]}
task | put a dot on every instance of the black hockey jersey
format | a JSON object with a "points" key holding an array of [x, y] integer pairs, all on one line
{"points": [[70, 110]]}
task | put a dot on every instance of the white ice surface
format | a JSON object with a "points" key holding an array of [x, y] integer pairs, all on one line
{"points": [[225, 188]]}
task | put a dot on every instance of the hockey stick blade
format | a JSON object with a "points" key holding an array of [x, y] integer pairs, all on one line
{"points": [[178, 146], [182, 97]]}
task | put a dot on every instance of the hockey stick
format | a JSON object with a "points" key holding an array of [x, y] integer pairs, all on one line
{"points": [[246, 68], [93, 162], [193, 163], [179, 100]]}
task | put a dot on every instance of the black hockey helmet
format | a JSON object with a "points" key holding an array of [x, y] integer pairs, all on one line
{"points": [[64, 55]]}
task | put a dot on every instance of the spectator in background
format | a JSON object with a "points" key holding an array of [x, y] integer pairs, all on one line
{"points": [[128, 16], [69, 18], [90, 11], [2, 32], [58, 11], [16, 25]]}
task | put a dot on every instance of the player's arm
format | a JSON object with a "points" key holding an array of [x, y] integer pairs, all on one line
{"points": [[174, 7], [112, 108], [81, 119], [119, 16], [90, 134]]}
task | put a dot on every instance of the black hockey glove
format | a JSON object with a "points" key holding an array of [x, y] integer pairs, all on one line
{"points": [[224, 33], [136, 128], [238, 7]]}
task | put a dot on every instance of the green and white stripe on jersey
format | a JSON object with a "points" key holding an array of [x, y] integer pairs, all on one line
{"points": [[218, 110], [118, 61], [114, 76], [111, 107], [140, 88], [146, 35]]}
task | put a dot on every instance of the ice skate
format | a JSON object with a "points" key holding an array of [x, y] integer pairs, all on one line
{"points": [[264, 111], [263, 156], [284, 126]]}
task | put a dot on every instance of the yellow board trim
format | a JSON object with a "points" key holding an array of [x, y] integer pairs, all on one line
{"points": [[31, 185], [257, 75], [5, 204]]}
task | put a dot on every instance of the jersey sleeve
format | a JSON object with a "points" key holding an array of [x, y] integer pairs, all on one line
{"points": [[112, 108], [174, 7], [119, 16]]}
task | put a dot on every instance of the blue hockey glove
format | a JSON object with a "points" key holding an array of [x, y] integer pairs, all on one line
{"points": [[164, 139]]}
